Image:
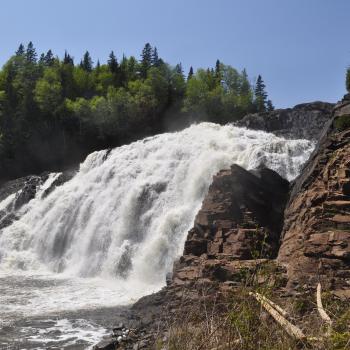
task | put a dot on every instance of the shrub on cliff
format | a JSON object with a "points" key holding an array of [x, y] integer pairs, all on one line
{"points": [[348, 79]]}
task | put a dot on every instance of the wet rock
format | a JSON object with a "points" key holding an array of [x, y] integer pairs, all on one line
{"points": [[109, 343]]}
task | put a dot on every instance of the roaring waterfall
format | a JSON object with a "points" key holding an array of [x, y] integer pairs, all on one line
{"points": [[123, 218]]}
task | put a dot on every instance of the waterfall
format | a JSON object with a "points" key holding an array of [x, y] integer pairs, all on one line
{"points": [[125, 214]]}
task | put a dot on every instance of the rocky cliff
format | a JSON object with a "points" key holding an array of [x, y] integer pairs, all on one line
{"points": [[316, 233], [302, 121]]}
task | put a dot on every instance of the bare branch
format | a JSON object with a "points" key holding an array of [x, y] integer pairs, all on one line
{"points": [[292, 330]]}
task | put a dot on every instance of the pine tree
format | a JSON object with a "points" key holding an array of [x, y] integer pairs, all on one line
{"points": [[31, 54], [146, 60], [260, 95], [112, 63], [68, 59], [269, 106], [42, 59], [155, 58], [348, 79], [86, 63], [20, 50], [49, 59], [178, 69], [218, 74], [190, 74]]}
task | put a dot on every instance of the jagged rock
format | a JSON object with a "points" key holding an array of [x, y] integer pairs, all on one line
{"points": [[316, 234], [29, 189], [291, 122], [241, 219], [26, 189]]}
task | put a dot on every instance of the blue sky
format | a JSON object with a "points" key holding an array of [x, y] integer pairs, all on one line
{"points": [[300, 47]]}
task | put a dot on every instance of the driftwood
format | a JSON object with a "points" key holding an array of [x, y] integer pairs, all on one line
{"points": [[281, 315], [321, 310], [269, 306]]}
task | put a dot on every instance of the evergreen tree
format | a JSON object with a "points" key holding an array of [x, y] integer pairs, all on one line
{"points": [[190, 74], [112, 63], [348, 79], [269, 106], [260, 95], [218, 75], [49, 59], [178, 69], [42, 59], [146, 60], [67, 59], [20, 50], [31, 54], [155, 58], [86, 63]]}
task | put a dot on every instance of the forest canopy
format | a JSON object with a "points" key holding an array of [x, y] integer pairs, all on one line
{"points": [[54, 111]]}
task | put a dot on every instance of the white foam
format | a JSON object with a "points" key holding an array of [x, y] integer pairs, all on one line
{"points": [[113, 231], [63, 331]]}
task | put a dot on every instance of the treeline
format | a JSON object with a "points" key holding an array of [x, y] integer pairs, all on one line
{"points": [[54, 111]]}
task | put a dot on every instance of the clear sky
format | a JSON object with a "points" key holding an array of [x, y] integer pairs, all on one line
{"points": [[300, 47]]}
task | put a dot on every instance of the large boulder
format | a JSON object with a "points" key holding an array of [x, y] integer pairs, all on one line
{"points": [[241, 219]]}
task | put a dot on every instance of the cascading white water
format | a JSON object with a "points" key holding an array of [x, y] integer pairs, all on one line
{"points": [[125, 214]]}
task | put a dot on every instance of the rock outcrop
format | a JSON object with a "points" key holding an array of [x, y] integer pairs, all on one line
{"points": [[291, 122], [240, 220], [24, 190], [316, 233]]}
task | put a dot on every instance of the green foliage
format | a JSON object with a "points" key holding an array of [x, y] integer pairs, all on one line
{"points": [[342, 122], [53, 103], [260, 95], [221, 96], [347, 82], [48, 91]]}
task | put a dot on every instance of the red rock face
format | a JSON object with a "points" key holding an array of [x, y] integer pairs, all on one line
{"points": [[316, 234], [241, 219]]}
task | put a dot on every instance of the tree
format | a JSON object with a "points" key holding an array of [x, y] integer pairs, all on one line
{"points": [[20, 50], [86, 63], [155, 58], [146, 60], [112, 63], [31, 54], [269, 106], [49, 59], [218, 71], [348, 79], [260, 95], [178, 69], [48, 91], [190, 74], [68, 59]]}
